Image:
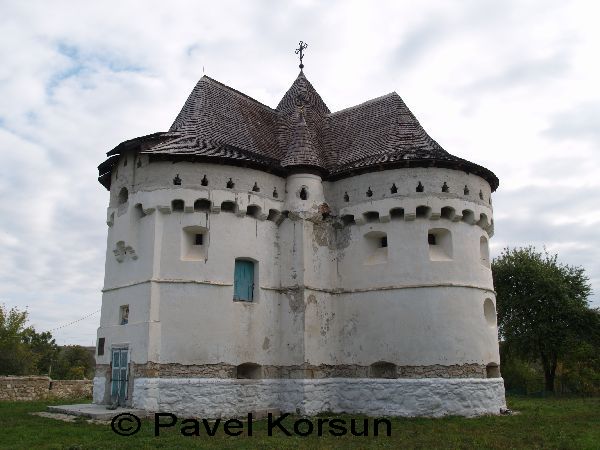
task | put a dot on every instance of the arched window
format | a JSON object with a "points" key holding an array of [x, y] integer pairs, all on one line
{"points": [[177, 205], [253, 211], [383, 369], [228, 206], [250, 371], [202, 204]]}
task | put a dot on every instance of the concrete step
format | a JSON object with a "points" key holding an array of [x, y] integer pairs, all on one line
{"points": [[96, 412]]}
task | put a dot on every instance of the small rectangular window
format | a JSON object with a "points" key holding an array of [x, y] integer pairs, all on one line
{"points": [[101, 346], [440, 244], [243, 280], [124, 315], [384, 241], [198, 239]]}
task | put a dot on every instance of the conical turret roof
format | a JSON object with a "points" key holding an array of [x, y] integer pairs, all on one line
{"points": [[301, 150], [302, 93]]}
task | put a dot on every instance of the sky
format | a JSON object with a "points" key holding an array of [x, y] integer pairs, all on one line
{"points": [[510, 85]]}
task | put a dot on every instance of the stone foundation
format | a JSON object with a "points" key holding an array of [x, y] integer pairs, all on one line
{"points": [[213, 397], [306, 371]]}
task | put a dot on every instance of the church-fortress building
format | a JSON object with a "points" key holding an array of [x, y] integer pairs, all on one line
{"points": [[297, 259]]}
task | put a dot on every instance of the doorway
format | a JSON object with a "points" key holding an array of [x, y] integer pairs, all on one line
{"points": [[119, 376]]}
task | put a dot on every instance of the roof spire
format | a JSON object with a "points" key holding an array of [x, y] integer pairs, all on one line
{"points": [[299, 50]]}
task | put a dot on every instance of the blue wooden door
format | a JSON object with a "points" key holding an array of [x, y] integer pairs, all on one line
{"points": [[243, 280], [119, 376]]}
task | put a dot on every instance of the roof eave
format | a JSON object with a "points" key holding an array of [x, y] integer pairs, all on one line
{"points": [[463, 165]]}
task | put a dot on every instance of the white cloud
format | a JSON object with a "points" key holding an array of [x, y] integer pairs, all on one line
{"points": [[509, 85]]}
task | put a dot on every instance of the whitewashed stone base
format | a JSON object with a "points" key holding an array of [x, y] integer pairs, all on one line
{"points": [[99, 388], [213, 397]]}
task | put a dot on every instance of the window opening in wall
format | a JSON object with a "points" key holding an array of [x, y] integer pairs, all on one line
{"points": [[383, 369], [177, 205], [124, 315], [423, 212], [468, 216], [193, 243], [369, 192], [123, 196], [139, 163], [348, 219], [303, 193], [253, 211], [255, 188], [139, 211], [177, 180], [484, 251], [243, 280], [273, 215], [202, 204], [480, 195], [376, 248], [492, 370], [101, 346], [445, 187], [483, 220], [249, 371], [397, 213], [346, 197], [371, 216], [489, 312], [466, 190], [230, 184], [440, 244], [419, 187], [394, 189], [228, 206], [448, 213], [275, 194], [204, 181]]}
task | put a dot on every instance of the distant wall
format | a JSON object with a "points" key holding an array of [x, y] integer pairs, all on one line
{"points": [[40, 388]]}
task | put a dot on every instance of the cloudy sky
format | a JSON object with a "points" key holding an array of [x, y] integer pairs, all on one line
{"points": [[511, 85]]}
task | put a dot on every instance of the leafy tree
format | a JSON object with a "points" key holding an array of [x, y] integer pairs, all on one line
{"points": [[16, 357], [43, 347], [74, 363], [543, 310]]}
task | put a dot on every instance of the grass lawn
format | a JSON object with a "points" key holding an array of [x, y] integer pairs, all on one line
{"points": [[542, 423]]}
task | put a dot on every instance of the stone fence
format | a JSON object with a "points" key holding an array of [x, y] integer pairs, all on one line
{"points": [[41, 388]]}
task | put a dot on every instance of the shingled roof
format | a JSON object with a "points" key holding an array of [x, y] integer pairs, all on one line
{"points": [[219, 124]]}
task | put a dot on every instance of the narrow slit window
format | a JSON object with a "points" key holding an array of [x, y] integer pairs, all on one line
{"points": [[101, 346], [124, 315], [199, 238]]}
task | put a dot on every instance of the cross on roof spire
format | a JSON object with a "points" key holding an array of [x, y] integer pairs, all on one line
{"points": [[299, 50]]}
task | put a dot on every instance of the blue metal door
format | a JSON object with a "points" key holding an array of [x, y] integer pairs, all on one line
{"points": [[243, 280], [119, 376]]}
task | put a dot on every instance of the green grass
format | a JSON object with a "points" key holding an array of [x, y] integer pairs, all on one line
{"points": [[542, 423]]}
